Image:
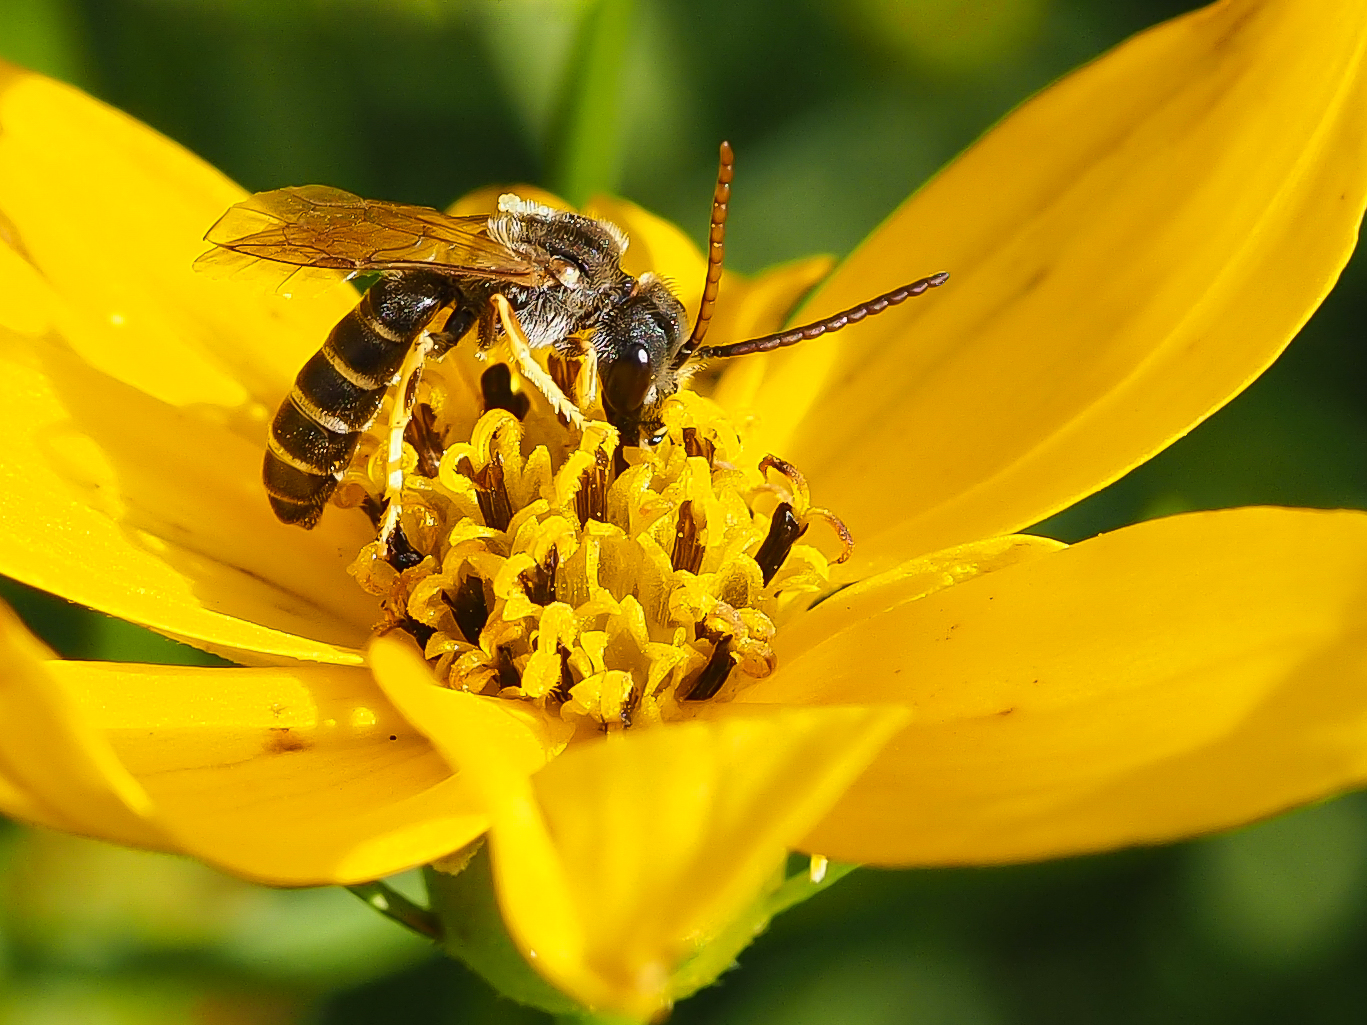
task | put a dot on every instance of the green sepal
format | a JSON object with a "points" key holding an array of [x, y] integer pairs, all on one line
{"points": [[719, 954], [463, 900], [473, 932]]}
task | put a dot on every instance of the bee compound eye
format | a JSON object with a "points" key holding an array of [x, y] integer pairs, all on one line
{"points": [[627, 381]]}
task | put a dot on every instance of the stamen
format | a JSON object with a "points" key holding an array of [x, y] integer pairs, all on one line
{"points": [[426, 440], [401, 554], [507, 672], [469, 607], [687, 552], [492, 494], [696, 446], [784, 530], [561, 691], [540, 584], [590, 502], [713, 675]]}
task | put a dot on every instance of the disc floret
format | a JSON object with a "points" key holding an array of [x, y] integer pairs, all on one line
{"points": [[608, 588]]}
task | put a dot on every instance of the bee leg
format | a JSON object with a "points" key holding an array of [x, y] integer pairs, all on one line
{"points": [[529, 368], [399, 415], [457, 326]]}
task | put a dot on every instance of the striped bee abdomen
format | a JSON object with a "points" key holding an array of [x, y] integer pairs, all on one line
{"points": [[339, 391]]}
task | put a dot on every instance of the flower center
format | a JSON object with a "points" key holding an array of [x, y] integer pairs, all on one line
{"points": [[609, 587]]}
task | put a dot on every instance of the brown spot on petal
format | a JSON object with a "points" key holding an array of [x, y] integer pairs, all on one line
{"points": [[282, 740]]}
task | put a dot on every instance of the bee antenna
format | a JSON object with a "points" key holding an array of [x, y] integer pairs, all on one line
{"points": [[822, 327], [716, 251]]}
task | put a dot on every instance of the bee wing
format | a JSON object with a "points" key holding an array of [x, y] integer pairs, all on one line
{"points": [[334, 234]]}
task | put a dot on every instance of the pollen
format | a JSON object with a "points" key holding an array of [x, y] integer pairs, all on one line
{"points": [[608, 587]]}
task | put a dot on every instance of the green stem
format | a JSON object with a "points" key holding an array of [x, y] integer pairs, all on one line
{"points": [[393, 904], [587, 149]]}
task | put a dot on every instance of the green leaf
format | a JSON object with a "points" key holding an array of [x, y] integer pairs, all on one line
{"points": [[586, 149]]}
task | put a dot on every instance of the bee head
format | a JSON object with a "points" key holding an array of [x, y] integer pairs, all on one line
{"points": [[636, 344]]}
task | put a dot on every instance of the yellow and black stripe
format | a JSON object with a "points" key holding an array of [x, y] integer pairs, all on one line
{"points": [[339, 391]]}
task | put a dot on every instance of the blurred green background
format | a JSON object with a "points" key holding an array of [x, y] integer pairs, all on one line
{"points": [[838, 109]]}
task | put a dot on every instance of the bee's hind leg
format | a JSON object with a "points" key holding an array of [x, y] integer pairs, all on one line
{"points": [[457, 326], [530, 369], [399, 416]]}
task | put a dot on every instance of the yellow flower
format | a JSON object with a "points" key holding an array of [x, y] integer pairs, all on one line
{"points": [[1129, 249]]}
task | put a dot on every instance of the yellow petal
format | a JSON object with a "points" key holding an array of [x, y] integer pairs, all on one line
{"points": [[1128, 250], [752, 308], [656, 245], [111, 215], [56, 757], [911, 581], [643, 846], [1171, 678], [290, 776], [525, 737], [120, 501], [135, 394]]}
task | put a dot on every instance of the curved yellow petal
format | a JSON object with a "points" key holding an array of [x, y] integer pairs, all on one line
{"points": [[1128, 251], [137, 392], [625, 855], [118, 500], [656, 245], [111, 215], [289, 776], [60, 761], [1171, 678], [911, 581], [752, 308], [526, 738]]}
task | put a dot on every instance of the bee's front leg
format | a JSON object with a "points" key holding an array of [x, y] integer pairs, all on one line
{"points": [[529, 368]]}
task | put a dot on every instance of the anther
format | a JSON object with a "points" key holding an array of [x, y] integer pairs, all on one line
{"points": [[539, 583], [507, 672], [426, 440], [713, 675], [496, 384], [400, 553], [784, 530], [591, 501], [421, 632], [469, 607], [561, 691], [687, 552], [492, 495], [696, 446]]}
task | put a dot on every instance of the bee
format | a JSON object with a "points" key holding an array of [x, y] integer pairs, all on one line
{"points": [[530, 275]]}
